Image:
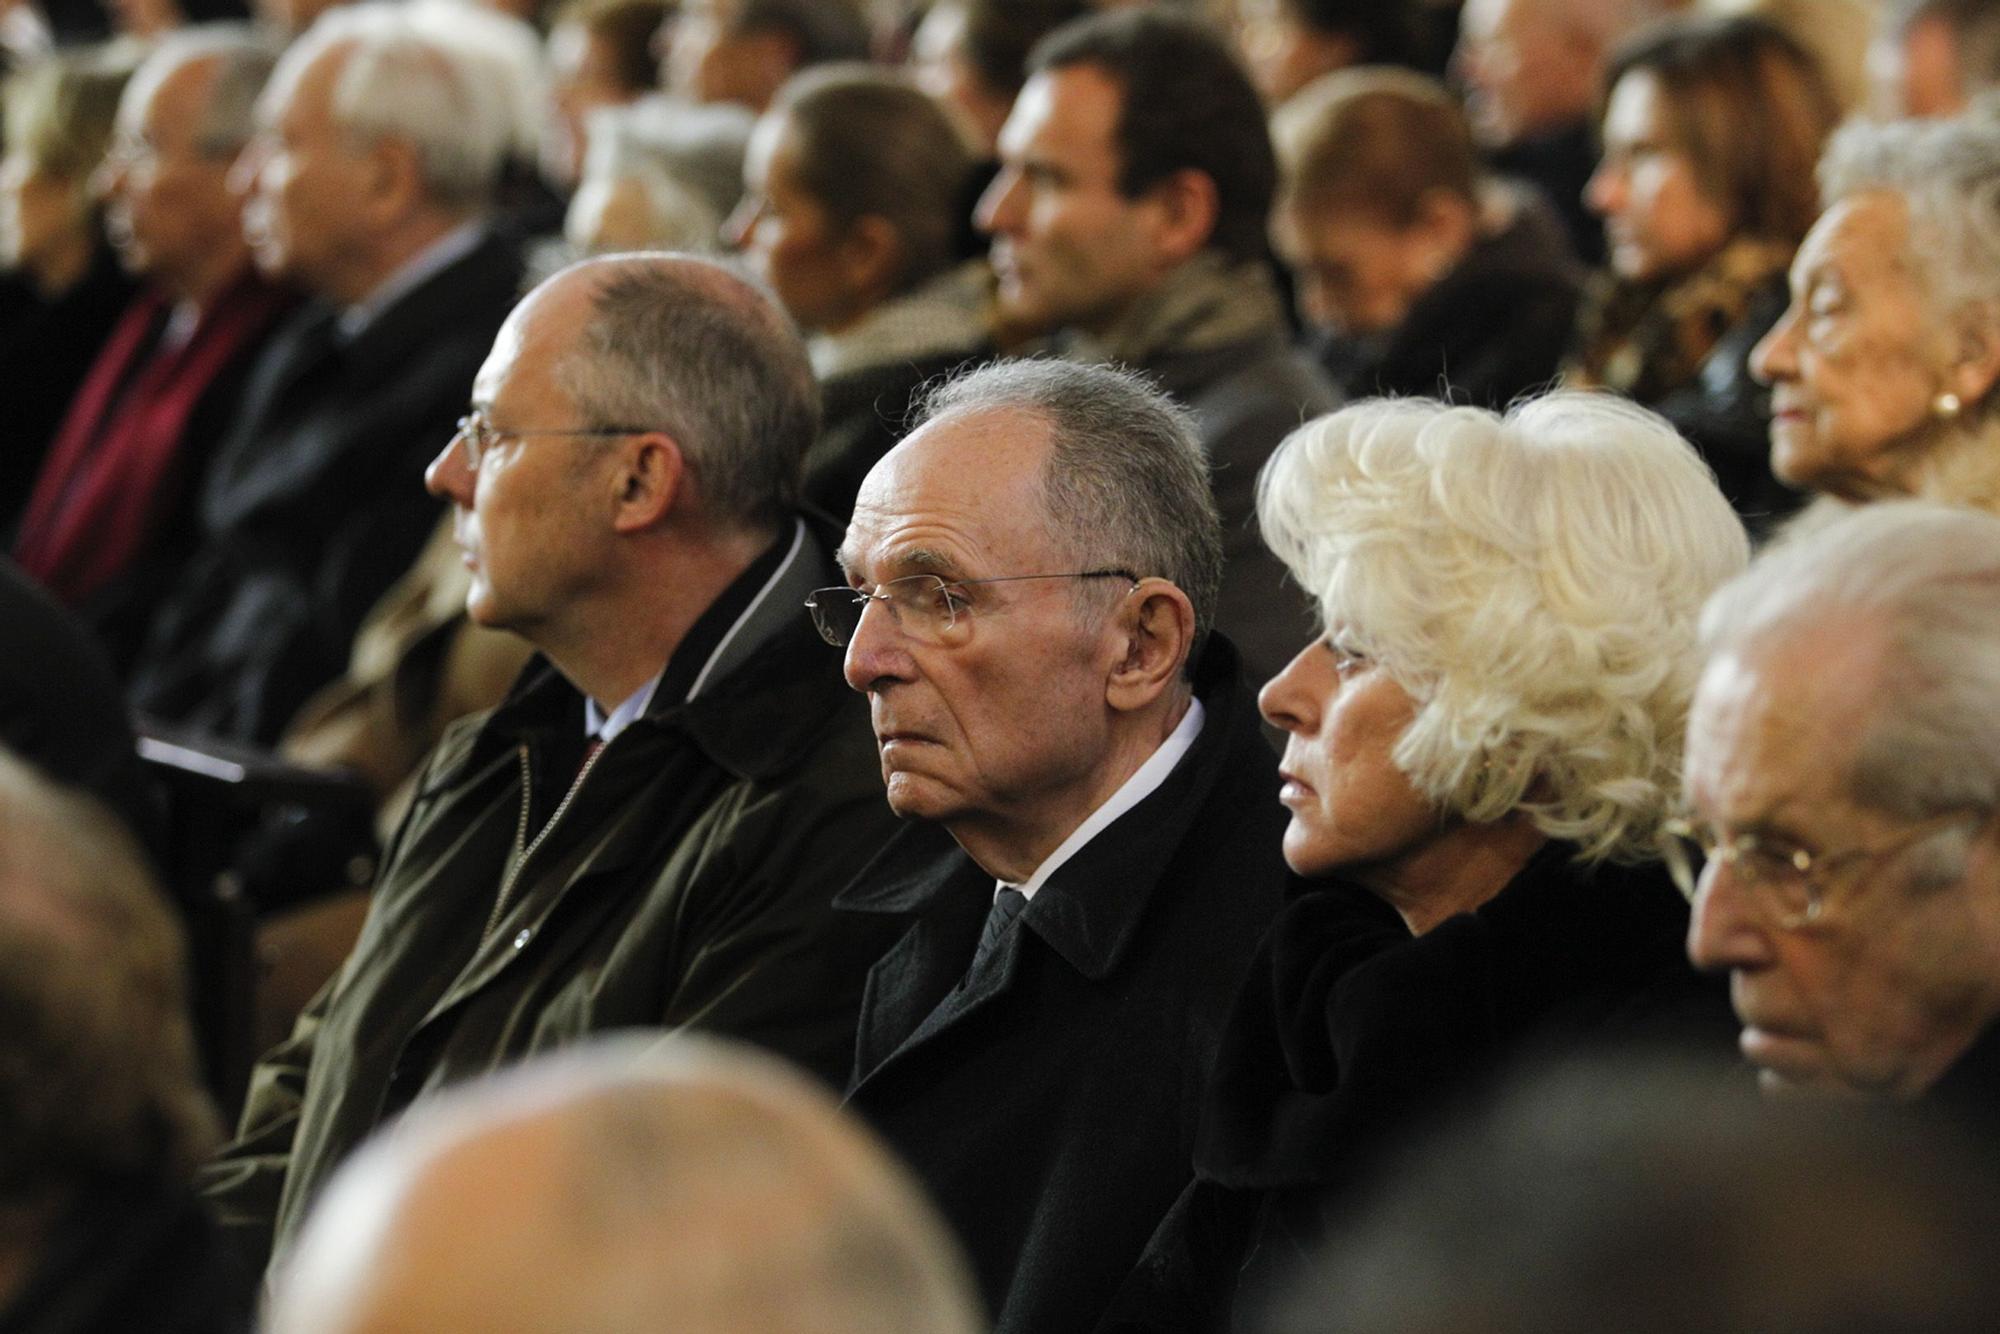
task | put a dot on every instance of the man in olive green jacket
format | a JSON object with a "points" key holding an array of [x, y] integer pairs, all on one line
{"points": [[649, 831]]}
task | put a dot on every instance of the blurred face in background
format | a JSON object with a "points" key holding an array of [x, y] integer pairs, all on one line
{"points": [[167, 203], [583, 76], [1359, 273], [40, 214], [1069, 249], [788, 236], [1523, 75], [1659, 221]]}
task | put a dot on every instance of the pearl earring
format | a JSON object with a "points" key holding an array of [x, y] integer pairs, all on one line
{"points": [[1946, 405]]}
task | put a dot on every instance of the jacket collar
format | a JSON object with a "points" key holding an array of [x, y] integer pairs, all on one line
{"points": [[770, 688], [1073, 912]]}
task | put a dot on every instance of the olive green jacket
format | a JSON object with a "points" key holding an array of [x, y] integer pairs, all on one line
{"points": [[682, 878]]}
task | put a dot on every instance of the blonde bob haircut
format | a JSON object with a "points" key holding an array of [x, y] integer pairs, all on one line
{"points": [[1533, 581]]}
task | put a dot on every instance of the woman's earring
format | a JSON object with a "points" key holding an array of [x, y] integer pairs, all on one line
{"points": [[1945, 406]]}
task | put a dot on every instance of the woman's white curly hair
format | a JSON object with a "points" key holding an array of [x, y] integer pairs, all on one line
{"points": [[1533, 581]]}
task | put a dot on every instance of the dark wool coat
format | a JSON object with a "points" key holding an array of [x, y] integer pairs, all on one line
{"points": [[1050, 1102], [1353, 1037], [687, 881], [315, 501]]}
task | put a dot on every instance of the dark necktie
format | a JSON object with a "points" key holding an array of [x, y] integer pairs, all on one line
{"points": [[1007, 905]]}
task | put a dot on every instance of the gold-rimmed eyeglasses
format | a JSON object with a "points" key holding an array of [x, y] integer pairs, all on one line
{"points": [[926, 607], [1788, 880], [476, 436]]}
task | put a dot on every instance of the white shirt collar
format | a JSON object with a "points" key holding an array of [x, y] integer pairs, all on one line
{"points": [[604, 727], [1134, 790], [448, 249]]}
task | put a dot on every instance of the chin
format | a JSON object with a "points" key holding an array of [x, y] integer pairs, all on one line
{"points": [[917, 797]]}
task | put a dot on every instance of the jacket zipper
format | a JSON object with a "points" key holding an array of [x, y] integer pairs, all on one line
{"points": [[522, 847]]}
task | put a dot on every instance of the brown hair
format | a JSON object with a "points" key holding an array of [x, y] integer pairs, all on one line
{"points": [[1749, 107], [869, 144], [627, 28], [1375, 141]]}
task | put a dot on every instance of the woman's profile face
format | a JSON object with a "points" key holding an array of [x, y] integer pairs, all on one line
{"points": [[1351, 806], [1852, 365], [1659, 223], [787, 235]]}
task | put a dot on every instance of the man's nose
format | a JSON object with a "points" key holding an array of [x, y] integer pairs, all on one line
{"points": [[877, 654], [449, 477], [1724, 929]]}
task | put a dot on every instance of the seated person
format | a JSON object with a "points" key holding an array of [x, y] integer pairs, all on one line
{"points": [[852, 190], [649, 831], [1711, 130], [1483, 750], [1129, 226], [112, 518], [682, 1185], [1843, 773], [1092, 851], [1882, 370], [1421, 277], [104, 1115], [379, 148]]}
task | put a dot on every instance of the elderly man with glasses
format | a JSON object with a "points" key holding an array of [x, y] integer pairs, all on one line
{"points": [[1843, 767], [1094, 847], [650, 830]]}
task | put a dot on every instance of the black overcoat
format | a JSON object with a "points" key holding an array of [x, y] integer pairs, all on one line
{"points": [[1050, 1102]]}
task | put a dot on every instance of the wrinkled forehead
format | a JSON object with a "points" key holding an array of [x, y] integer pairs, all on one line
{"points": [[961, 497]]}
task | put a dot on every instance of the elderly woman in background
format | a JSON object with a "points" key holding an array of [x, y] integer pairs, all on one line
{"points": [[1883, 368], [1710, 133], [67, 289], [1482, 751], [852, 190], [1421, 276]]}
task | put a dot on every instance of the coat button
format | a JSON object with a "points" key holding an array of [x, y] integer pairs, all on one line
{"points": [[522, 939]]}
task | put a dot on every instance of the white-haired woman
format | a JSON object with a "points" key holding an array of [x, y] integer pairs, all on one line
{"points": [[1883, 370], [1482, 748]]}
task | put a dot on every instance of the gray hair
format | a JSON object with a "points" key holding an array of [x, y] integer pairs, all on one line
{"points": [[1947, 172], [699, 146], [400, 79], [1125, 482], [244, 57], [98, 1077], [703, 1186], [1975, 29], [1927, 576], [683, 344]]}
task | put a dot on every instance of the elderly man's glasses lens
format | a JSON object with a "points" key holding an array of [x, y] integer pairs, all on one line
{"points": [[477, 436], [1787, 880], [924, 606]]}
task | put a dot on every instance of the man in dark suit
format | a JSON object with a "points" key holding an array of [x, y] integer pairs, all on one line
{"points": [[1128, 222], [369, 179], [1096, 841]]}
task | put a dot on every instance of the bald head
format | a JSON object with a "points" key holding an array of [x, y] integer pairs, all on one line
{"points": [[688, 1185]]}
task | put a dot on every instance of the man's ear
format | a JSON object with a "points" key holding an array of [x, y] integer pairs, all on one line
{"points": [[651, 478], [396, 179], [1185, 205], [1155, 627]]}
